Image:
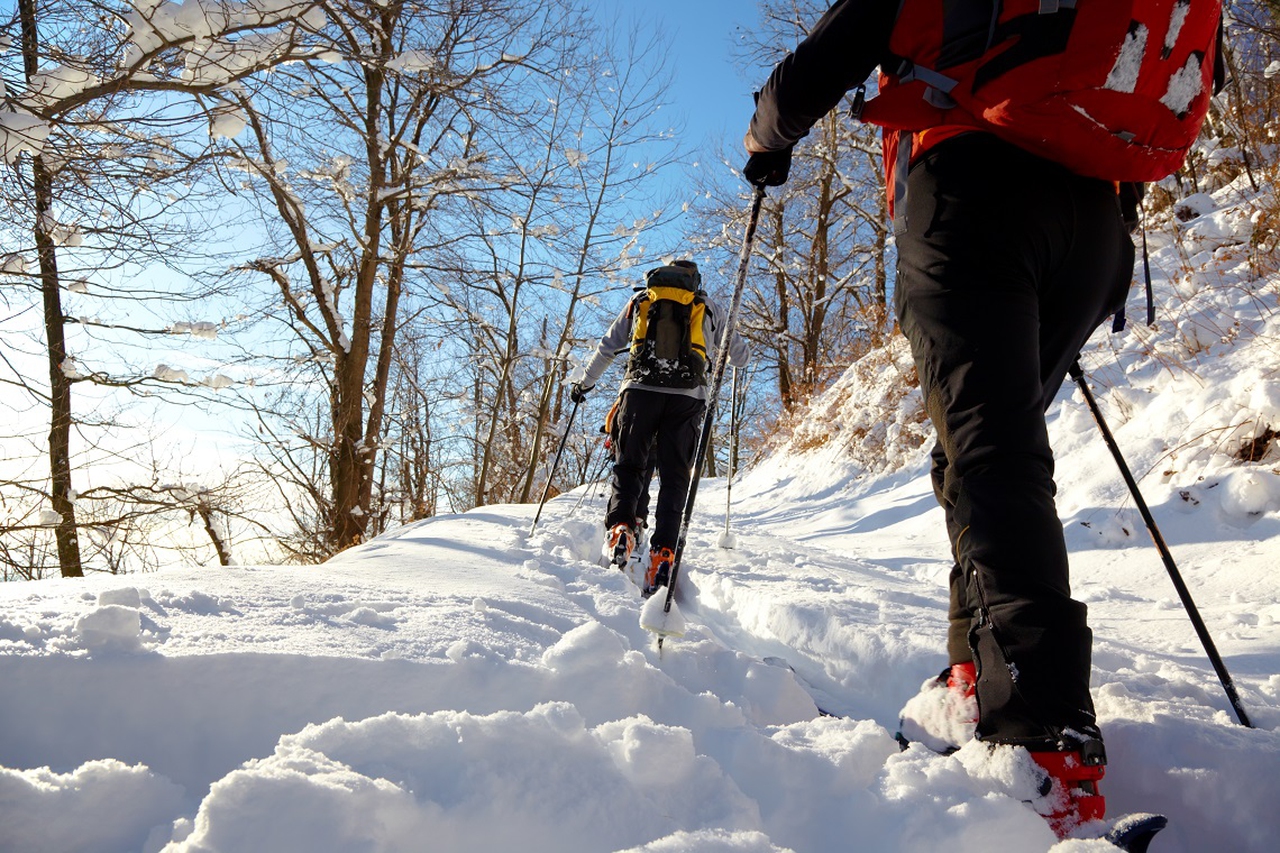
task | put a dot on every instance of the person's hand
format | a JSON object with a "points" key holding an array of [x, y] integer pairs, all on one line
{"points": [[768, 168], [577, 393]]}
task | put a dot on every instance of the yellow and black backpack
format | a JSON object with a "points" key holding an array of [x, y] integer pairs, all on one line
{"points": [[668, 349]]}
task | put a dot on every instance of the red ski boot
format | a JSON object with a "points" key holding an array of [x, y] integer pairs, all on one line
{"points": [[1071, 795]]}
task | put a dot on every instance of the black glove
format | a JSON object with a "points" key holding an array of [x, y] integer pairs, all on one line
{"points": [[577, 393], [768, 169]]}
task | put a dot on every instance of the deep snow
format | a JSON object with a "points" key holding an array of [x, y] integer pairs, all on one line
{"points": [[460, 684]]}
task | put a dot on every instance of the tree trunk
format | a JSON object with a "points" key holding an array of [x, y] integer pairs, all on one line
{"points": [[500, 392], [544, 405], [819, 270], [1246, 141], [883, 325], [220, 544], [59, 384], [566, 331], [386, 349], [352, 457]]}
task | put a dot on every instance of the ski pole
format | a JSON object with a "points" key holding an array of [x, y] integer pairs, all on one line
{"points": [[717, 379], [727, 539], [586, 469], [599, 472], [1077, 374], [554, 465]]}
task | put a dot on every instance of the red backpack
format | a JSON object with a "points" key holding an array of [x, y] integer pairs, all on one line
{"points": [[1112, 89]]}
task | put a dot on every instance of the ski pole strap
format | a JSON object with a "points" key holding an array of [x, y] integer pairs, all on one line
{"points": [[1146, 271], [1118, 322]]}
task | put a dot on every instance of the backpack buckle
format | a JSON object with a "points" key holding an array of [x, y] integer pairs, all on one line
{"points": [[859, 101]]}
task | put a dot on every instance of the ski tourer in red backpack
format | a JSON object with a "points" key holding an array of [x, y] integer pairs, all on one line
{"points": [[1010, 130]]}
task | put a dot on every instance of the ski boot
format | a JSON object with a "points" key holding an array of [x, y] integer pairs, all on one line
{"points": [[641, 528], [659, 573], [944, 714], [619, 544], [1070, 787]]}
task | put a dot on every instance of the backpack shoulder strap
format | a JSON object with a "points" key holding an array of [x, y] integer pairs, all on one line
{"points": [[1219, 61], [635, 301]]}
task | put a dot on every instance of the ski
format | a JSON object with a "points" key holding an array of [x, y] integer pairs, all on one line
{"points": [[632, 568], [774, 660], [659, 614], [904, 743], [619, 557], [660, 580]]}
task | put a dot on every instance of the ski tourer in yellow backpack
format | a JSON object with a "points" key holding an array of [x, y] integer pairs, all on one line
{"points": [[669, 330]]}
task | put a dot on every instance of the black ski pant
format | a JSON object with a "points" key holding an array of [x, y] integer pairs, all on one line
{"points": [[646, 479], [662, 427], [1006, 264]]}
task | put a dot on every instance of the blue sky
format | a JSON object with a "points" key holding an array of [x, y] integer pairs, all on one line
{"points": [[709, 93]]}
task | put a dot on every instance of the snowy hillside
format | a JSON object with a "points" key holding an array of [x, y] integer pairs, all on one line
{"points": [[462, 685]]}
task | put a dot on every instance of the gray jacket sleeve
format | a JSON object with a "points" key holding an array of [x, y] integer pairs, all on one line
{"points": [[739, 352], [616, 341]]}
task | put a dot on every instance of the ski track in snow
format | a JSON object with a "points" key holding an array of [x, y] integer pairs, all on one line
{"points": [[462, 681]]}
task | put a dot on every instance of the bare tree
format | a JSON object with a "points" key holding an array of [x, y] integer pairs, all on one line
{"points": [[357, 157], [559, 239], [615, 119], [108, 108], [819, 288]]}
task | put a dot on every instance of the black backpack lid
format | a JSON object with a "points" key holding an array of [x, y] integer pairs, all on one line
{"points": [[682, 274]]}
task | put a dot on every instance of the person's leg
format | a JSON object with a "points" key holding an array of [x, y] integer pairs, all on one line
{"points": [[959, 613], [1089, 286], [638, 419], [646, 481], [677, 440], [987, 227]]}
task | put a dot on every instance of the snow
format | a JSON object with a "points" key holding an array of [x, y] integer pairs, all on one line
{"points": [[219, 63], [465, 681], [227, 123], [1124, 75], [66, 235], [165, 373], [59, 83], [1184, 86], [21, 132], [69, 369], [154, 23], [414, 61], [217, 381], [202, 329], [49, 518], [660, 618], [1179, 18]]}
